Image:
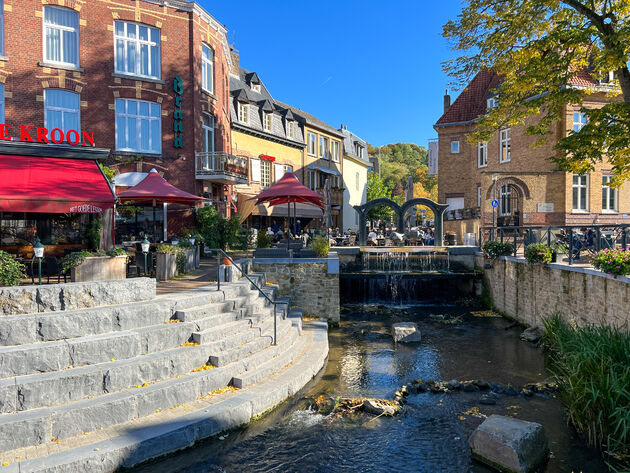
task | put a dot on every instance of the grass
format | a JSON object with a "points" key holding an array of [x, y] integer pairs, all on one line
{"points": [[592, 368]]}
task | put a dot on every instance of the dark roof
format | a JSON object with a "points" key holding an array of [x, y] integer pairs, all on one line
{"points": [[252, 78], [311, 120], [241, 95], [472, 101], [288, 115], [267, 106]]}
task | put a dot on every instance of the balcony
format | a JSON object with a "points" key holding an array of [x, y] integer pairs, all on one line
{"points": [[335, 194], [463, 214], [223, 168]]}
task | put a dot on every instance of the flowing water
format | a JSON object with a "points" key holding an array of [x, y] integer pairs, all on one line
{"points": [[431, 434]]}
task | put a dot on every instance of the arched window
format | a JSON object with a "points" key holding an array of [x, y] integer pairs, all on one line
{"points": [[61, 36], [61, 110]]}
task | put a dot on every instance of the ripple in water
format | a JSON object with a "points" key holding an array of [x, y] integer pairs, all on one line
{"points": [[305, 418]]}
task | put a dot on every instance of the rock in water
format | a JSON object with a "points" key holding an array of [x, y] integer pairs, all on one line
{"points": [[509, 444], [533, 334], [377, 408], [405, 332]]}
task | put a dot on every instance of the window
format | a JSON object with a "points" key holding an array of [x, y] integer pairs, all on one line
{"points": [[265, 173], [478, 196], [138, 126], [312, 144], [335, 151], [289, 129], [324, 151], [288, 167], [61, 36], [255, 166], [454, 146], [482, 154], [505, 200], [256, 87], [243, 112], [207, 127], [312, 180], [579, 120], [356, 178], [609, 196], [207, 68], [580, 193], [61, 110], [137, 49], [505, 146], [278, 170], [492, 102], [2, 53], [358, 149], [2, 102], [267, 121]]}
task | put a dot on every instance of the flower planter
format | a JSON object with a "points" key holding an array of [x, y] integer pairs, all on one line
{"points": [[165, 266], [100, 268], [191, 259]]}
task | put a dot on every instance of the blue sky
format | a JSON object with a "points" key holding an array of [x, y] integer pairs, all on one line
{"points": [[371, 65]]}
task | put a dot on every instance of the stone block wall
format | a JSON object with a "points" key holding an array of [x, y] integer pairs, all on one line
{"points": [[581, 296], [312, 284]]}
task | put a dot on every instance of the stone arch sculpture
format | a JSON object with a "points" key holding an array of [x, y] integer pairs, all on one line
{"points": [[438, 212]]}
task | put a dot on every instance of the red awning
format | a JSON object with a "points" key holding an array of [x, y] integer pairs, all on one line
{"points": [[52, 185], [289, 189], [154, 187]]}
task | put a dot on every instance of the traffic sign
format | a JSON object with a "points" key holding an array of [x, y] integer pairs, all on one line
{"points": [[495, 203]]}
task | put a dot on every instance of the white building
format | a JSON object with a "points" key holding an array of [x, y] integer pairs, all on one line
{"points": [[355, 172]]}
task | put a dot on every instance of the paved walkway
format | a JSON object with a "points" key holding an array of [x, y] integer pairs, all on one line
{"points": [[206, 274]]}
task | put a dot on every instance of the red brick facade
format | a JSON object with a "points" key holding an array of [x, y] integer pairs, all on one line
{"points": [[183, 28]]}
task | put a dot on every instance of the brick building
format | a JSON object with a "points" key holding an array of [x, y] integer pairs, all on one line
{"points": [[148, 78], [530, 188]]}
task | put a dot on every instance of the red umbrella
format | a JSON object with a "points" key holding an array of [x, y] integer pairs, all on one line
{"points": [[154, 188]]}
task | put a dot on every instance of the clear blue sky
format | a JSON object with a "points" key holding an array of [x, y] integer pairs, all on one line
{"points": [[371, 65]]}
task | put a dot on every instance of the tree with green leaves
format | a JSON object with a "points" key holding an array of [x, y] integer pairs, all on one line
{"points": [[538, 47], [376, 189]]}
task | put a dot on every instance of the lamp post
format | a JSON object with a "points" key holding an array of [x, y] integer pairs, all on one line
{"points": [[191, 239], [145, 249], [174, 241], [495, 178], [38, 251]]}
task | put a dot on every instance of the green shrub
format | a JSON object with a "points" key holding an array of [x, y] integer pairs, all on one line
{"points": [[116, 252], [614, 262], [320, 246], [263, 240], [215, 230], [11, 270], [73, 260], [592, 369], [184, 243], [538, 253], [93, 233], [494, 249], [166, 248]]}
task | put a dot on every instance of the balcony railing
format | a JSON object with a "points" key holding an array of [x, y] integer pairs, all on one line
{"points": [[222, 167], [335, 194], [463, 214]]}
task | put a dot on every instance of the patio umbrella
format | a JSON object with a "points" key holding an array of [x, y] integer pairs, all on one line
{"points": [[287, 190], [155, 189]]}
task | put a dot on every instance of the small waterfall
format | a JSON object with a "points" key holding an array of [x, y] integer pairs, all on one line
{"points": [[414, 260]]}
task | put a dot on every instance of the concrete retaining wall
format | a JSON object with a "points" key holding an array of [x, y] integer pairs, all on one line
{"points": [[71, 296], [311, 283], [581, 296]]}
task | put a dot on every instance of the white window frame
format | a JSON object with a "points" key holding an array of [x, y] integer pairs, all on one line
{"points": [[492, 102], [2, 102], [256, 87], [607, 193], [61, 29], [505, 200], [312, 180], [324, 144], [63, 110], [243, 113], [505, 145], [455, 147], [579, 187], [289, 127], [312, 151], [579, 120], [2, 50], [138, 43], [265, 173], [482, 154], [268, 121], [139, 119], [334, 151], [357, 178], [208, 134], [207, 69]]}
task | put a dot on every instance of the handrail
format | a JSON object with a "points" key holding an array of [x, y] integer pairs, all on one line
{"points": [[275, 316]]}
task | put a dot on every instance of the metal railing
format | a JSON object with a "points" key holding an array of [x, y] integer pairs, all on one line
{"points": [[571, 240], [275, 312], [219, 162], [463, 214]]}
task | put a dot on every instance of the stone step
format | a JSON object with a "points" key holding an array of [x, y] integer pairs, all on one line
{"points": [[202, 311], [221, 331], [265, 363], [231, 352], [235, 337]]}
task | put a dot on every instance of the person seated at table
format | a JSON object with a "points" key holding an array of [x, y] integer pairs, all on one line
{"points": [[275, 226], [372, 238], [270, 231]]}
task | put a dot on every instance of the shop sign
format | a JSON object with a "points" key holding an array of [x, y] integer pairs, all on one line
{"points": [[178, 116], [266, 157], [234, 169], [86, 209], [545, 207], [39, 134]]}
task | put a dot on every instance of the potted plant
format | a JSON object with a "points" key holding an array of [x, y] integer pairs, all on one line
{"points": [[494, 249], [538, 253], [613, 262], [95, 266], [320, 246], [11, 270]]}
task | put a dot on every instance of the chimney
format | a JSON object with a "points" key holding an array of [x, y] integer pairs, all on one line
{"points": [[235, 61], [447, 101]]}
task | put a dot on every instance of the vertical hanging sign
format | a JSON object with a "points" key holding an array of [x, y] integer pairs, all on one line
{"points": [[178, 127]]}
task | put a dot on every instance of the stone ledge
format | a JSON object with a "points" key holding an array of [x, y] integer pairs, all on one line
{"points": [[144, 443]]}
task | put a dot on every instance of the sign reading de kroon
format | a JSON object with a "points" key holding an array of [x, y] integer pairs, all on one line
{"points": [[39, 134]]}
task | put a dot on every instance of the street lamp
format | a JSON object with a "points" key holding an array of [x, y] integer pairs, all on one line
{"points": [[174, 241], [192, 240], [38, 251], [145, 249]]}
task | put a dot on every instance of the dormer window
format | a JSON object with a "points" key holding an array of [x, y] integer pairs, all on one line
{"points": [[243, 113], [358, 149], [608, 78], [268, 121], [256, 87], [289, 129], [492, 102]]}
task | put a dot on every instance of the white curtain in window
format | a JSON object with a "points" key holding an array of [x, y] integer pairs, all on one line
{"points": [[2, 53], [207, 68], [61, 30], [255, 163], [278, 169], [1, 103], [137, 49], [61, 110], [138, 126]]}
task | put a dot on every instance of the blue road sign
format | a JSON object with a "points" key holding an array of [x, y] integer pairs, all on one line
{"points": [[495, 203]]}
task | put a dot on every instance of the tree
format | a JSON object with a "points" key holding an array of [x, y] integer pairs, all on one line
{"points": [[215, 230], [538, 47], [376, 189]]}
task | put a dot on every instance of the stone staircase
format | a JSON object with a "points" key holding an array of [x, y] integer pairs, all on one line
{"points": [[65, 374]]}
